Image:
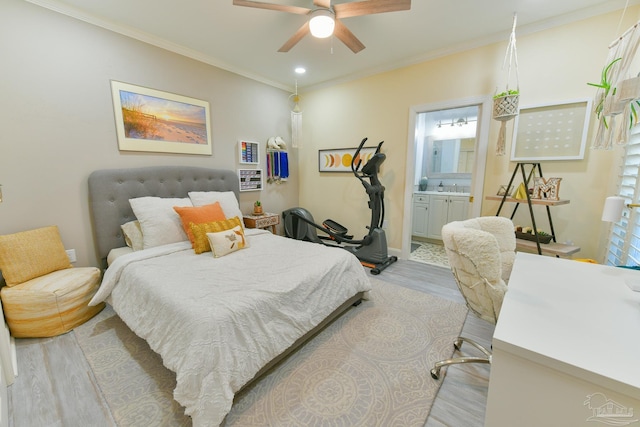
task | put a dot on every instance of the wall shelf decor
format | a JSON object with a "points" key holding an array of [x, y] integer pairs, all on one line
{"points": [[250, 179], [161, 122], [551, 131], [248, 152]]}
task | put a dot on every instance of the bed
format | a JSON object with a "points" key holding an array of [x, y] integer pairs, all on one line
{"points": [[217, 322]]}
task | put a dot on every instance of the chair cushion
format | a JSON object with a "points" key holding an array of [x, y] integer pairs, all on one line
{"points": [[30, 254], [480, 251], [52, 304]]}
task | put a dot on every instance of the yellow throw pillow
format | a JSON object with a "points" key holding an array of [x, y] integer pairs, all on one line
{"points": [[199, 215], [30, 254], [224, 242], [201, 242]]}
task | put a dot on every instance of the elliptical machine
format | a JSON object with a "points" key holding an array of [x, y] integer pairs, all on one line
{"points": [[371, 250]]}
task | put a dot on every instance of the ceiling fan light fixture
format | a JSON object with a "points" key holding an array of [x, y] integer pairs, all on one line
{"points": [[322, 23]]}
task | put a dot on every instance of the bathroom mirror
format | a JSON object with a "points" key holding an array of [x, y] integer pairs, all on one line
{"points": [[448, 158]]}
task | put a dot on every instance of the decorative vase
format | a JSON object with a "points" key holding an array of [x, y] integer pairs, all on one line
{"points": [[422, 186]]}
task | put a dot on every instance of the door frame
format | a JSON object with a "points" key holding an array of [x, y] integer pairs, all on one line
{"points": [[485, 105]]}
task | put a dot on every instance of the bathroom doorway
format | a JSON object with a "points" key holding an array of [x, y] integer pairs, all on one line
{"points": [[447, 144]]}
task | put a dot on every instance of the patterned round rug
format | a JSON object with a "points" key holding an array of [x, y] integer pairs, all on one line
{"points": [[369, 367]]}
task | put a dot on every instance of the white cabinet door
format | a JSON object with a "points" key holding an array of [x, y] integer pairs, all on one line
{"points": [[420, 219], [438, 212], [420, 215], [458, 208], [444, 209]]}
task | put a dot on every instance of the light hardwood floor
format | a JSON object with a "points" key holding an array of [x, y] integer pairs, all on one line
{"points": [[55, 385]]}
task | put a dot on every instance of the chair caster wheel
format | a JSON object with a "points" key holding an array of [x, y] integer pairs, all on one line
{"points": [[435, 374]]}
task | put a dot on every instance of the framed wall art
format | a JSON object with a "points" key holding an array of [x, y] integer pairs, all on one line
{"points": [[339, 159], [551, 131], [161, 122], [249, 152], [250, 179]]}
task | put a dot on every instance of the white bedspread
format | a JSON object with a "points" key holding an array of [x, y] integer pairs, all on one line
{"points": [[217, 321]]}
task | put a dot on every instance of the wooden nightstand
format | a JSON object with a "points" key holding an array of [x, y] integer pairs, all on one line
{"points": [[262, 221]]}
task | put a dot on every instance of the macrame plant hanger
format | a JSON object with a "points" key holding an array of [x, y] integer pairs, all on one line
{"points": [[505, 104], [296, 119], [618, 91]]}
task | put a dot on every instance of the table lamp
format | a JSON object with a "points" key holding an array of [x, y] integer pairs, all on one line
{"points": [[613, 208]]}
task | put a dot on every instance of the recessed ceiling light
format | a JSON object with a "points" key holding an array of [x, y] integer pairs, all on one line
{"points": [[300, 70]]}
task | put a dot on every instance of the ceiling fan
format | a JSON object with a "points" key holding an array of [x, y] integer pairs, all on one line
{"points": [[324, 19]]}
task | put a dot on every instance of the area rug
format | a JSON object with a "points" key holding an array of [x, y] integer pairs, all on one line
{"points": [[429, 253], [369, 367]]}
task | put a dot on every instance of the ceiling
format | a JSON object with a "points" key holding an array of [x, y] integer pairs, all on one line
{"points": [[246, 40]]}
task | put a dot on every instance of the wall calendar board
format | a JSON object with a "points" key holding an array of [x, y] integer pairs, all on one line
{"points": [[551, 131]]}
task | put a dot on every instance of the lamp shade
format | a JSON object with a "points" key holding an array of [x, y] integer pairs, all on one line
{"points": [[322, 23], [612, 209]]}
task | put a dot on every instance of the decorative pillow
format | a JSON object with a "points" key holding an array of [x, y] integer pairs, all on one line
{"points": [[224, 242], [133, 235], [227, 199], [30, 254], [198, 215], [200, 240], [160, 224]]}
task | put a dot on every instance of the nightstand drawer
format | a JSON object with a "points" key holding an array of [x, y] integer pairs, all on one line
{"points": [[262, 221]]}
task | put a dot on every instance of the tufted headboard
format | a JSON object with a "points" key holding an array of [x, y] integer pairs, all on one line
{"points": [[111, 189]]}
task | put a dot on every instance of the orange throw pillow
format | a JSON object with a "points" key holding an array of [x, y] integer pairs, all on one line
{"points": [[199, 215]]}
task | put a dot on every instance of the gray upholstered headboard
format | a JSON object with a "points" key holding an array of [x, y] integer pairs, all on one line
{"points": [[111, 189]]}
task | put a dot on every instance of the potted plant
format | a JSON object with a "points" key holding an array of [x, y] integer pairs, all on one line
{"points": [[505, 105], [257, 208]]}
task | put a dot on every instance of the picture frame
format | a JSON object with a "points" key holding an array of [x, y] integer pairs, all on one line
{"points": [[251, 179], [150, 120], [551, 131], [339, 159], [504, 191], [248, 152]]}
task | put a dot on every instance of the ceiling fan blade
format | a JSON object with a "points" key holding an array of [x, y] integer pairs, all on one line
{"points": [[302, 31], [369, 7], [326, 4], [347, 37], [279, 7]]}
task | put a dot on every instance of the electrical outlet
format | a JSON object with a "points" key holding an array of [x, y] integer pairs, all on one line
{"points": [[71, 253]]}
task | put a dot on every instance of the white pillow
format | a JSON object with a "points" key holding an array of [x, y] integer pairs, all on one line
{"points": [[227, 241], [227, 199], [133, 235], [160, 224]]}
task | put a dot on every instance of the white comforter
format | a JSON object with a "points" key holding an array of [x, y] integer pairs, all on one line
{"points": [[217, 321]]}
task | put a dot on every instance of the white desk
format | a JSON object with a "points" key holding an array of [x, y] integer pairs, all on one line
{"points": [[567, 330]]}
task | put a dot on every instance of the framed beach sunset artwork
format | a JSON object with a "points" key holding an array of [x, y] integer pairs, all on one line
{"points": [[161, 122]]}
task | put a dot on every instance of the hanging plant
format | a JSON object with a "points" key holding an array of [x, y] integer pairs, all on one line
{"points": [[505, 104], [612, 101], [605, 85]]}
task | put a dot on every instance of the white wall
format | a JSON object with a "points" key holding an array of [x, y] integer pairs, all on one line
{"points": [[57, 121], [554, 65]]}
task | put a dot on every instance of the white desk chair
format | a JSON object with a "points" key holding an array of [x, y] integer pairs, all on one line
{"points": [[481, 253]]}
